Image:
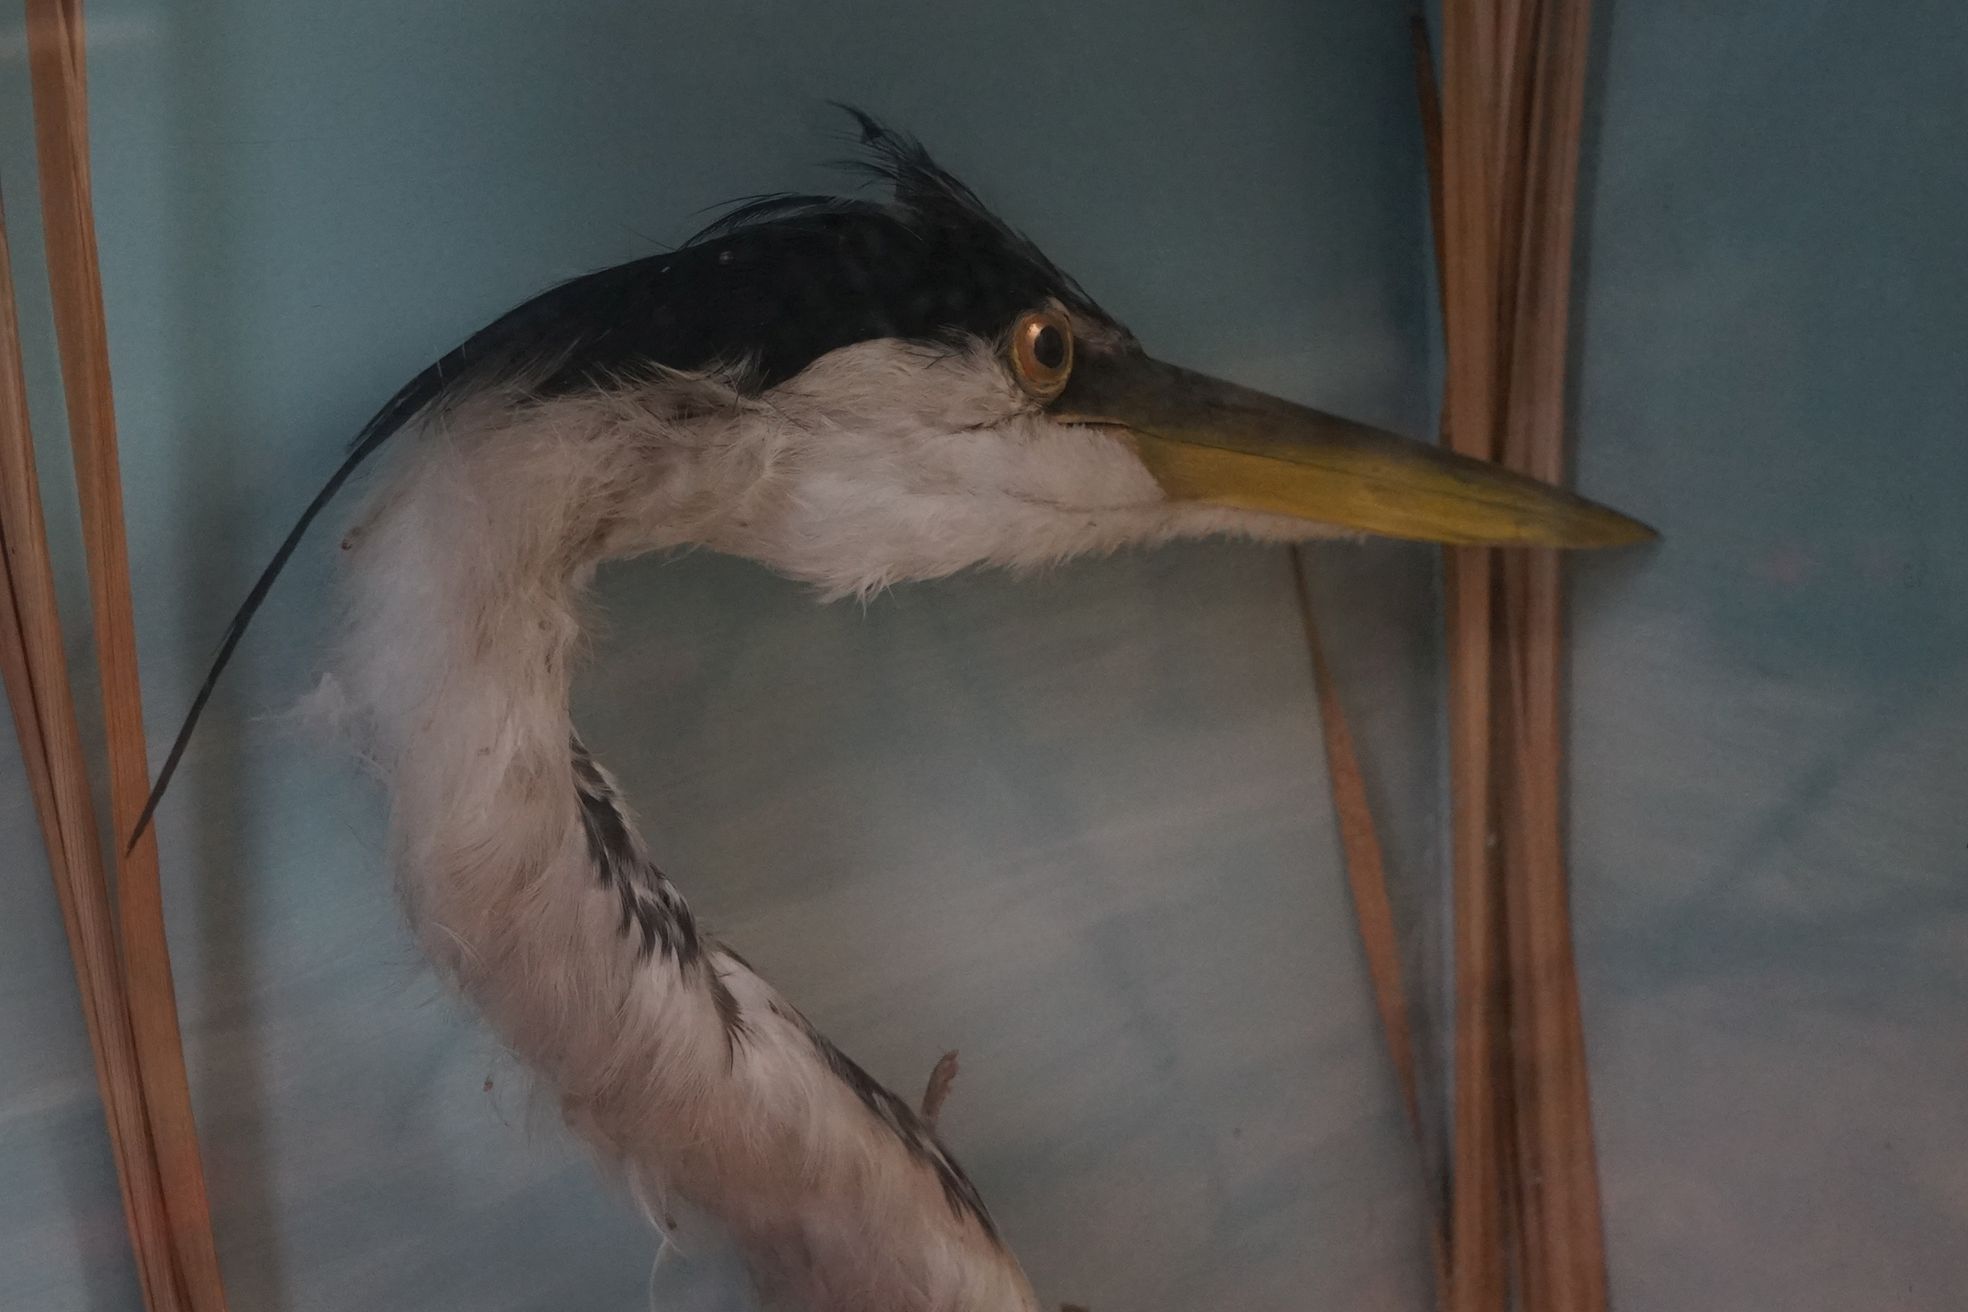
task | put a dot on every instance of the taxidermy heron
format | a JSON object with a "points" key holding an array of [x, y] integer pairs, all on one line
{"points": [[854, 392]]}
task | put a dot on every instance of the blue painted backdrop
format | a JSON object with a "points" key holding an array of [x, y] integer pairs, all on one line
{"points": [[1074, 826], [1770, 723]]}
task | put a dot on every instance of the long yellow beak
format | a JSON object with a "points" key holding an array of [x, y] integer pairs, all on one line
{"points": [[1211, 441]]}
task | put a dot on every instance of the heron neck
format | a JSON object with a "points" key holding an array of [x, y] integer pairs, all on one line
{"points": [[528, 885], [465, 581]]}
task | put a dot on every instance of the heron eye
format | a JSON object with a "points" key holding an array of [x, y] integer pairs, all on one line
{"points": [[1049, 347], [1042, 353]]}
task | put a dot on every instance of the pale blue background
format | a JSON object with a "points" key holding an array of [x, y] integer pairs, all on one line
{"points": [[1074, 826]]}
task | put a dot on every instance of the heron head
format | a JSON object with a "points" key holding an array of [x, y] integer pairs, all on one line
{"points": [[923, 390], [858, 391]]}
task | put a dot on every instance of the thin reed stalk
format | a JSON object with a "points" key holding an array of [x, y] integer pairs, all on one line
{"points": [[34, 663], [57, 69], [1373, 911], [1562, 1254], [1524, 1178]]}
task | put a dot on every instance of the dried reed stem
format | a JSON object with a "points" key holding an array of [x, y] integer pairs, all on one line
{"points": [[34, 664], [1524, 1164], [1366, 878], [58, 73], [1562, 1253], [1469, 32]]}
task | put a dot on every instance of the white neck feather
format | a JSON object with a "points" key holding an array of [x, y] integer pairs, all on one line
{"points": [[527, 884]]}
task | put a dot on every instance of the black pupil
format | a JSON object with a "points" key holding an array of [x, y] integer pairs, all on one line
{"points": [[1049, 347]]}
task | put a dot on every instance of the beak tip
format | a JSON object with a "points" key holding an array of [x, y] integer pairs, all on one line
{"points": [[1595, 527], [1629, 532]]}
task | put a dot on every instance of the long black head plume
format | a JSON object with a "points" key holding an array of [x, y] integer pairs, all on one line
{"points": [[772, 285]]}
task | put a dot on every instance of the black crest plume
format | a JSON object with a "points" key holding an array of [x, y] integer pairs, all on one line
{"points": [[771, 285]]}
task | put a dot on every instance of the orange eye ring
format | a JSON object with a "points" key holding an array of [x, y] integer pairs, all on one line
{"points": [[1042, 353]]}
